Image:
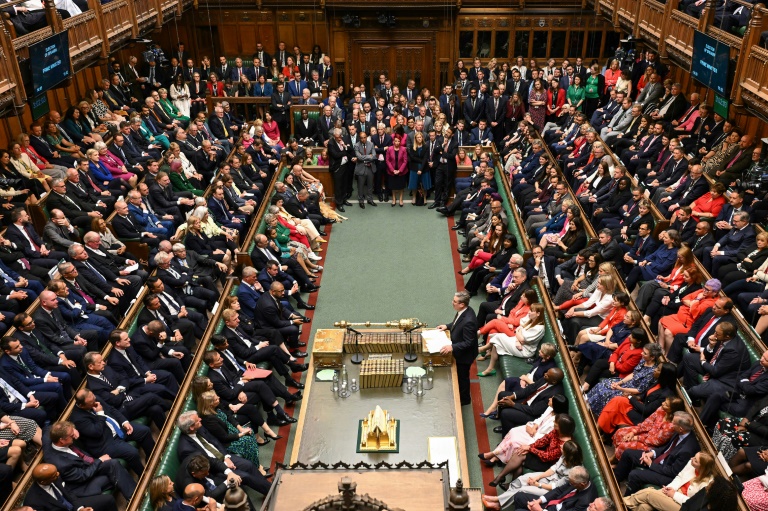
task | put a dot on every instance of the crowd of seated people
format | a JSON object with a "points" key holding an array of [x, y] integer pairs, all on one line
{"points": [[639, 154], [127, 164]]}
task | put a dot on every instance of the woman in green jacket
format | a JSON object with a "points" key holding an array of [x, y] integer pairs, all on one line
{"points": [[576, 93], [281, 235], [179, 181], [167, 105]]}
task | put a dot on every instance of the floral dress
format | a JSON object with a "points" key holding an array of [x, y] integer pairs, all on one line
{"points": [[652, 432], [598, 397], [244, 446]]}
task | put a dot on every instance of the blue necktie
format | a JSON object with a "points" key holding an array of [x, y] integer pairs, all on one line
{"points": [[115, 426]]}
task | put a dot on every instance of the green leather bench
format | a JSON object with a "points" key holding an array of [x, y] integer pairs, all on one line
{"points": [[262, 223]]}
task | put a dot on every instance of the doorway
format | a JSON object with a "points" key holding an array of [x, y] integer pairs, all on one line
{"points": [[401, 60]]}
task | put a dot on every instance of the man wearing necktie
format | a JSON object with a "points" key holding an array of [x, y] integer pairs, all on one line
{"points": [[463, 330], [716, 367], [195, 471], [660, 465], [85, 474], [49, 492], [129, 365], [20, 365], [105, 430], [578, 493]]}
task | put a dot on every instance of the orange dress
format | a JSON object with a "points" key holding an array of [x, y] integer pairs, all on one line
{"points": [[682, 320], [510, 323]]}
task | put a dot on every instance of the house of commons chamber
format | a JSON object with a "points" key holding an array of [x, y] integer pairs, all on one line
{"points": [[587, 179]]}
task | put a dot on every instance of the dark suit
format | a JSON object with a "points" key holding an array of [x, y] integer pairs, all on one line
{"points": [[308, 132], [13, 233], [37, 498], [751, 386], [731, 244], [54, 328], [133, 369], [271, 314], [578, 502], [722, 370], [661, 472], [245, 469], [144, 399], [463, 332], [524, 412], [97, 436], [87, 479], [215, 484]]}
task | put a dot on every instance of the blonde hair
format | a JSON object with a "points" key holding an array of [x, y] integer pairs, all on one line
{"points": [[158, 492], [608, 282], [205, 404]]}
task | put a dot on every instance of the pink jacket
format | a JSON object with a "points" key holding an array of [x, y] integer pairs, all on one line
{"points": [[402, 161]]}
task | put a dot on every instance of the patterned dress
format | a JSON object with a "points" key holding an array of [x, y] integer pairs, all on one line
{"points": [[598, 397], [244, 446], [652, 432], [755, 494]]}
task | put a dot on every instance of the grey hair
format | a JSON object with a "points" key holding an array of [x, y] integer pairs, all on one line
{"points": [[269, 217], [162, 257], [91, 236], [517, 258], [684, 420], [579, 475], [178, 247], [186, 420], [249, 271], [608, 503], [200, 212], [273, 210], [71, 249]]}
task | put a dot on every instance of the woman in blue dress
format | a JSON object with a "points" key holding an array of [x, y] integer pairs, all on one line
{"points": [[417, 154], [635, 383]]}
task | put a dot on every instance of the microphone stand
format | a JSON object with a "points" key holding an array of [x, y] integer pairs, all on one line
{"points": [[357, 357], [410, 356]]}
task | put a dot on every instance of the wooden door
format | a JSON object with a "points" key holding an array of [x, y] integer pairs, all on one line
{"points": [[400, 61]]}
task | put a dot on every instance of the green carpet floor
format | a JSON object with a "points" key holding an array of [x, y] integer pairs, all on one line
{"points": [[388, 263]]}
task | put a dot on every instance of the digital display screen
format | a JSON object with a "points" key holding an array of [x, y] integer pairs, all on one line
{"points": [[710, 61], [49, 62], [721, 106], [39, 106]]}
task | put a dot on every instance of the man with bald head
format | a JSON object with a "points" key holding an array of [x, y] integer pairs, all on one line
{"points": [[49, 493]]}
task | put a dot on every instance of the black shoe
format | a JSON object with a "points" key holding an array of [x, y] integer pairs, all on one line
{"points": [[295, 398], [302, 344], [362, 204], [371, 203], [322, 233], [530, 360], [290, 382], [434, 205], [443, 210], [464, 251], [289, 419], [311, 289], [347, 203], [498, 429], [295, 367], [381, 198], [265, 442], [456, 227], [299, 354], [340, 207], [306, 306], [330, 220], [305, 320], [277, 421]]}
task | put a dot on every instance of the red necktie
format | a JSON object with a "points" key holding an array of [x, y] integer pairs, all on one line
{"points": [[81, 454], [567, 496], [730, 164], [714, 359], [666, 453], [757, 374], [705, 330], [82, 293]]}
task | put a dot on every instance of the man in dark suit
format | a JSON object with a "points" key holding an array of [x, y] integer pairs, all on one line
{"points": [[607, 247], [190, 311], [261, 348], [696, 338], [751, 386], [127, 226], [23, 235], [659, 466], [463, 330], [703, 241], [724, 220], [124, 289], [529, 403], [51, 325], [644, 246], [306, 130], [80, 212], [183, 281], [196, 469], [474, 109], [339, 162], [195, 439], [495, 113], [575, 495], [58, 232], [228, 383], [272, 272], [49, 492], [97, 296], [219, 209], [84, 473], [44, 353], [177, 329], [740, 237], [684, 195], [105, 430], [281, 106], [131, 368], [266, 250], [719, 363], [511, 289], [133, 401], [20, 366], [540, 265], [154, 345], [270, 313], [684, 224]]}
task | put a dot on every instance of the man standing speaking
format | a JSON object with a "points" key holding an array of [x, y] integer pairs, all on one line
{"points": [[463, 331]]}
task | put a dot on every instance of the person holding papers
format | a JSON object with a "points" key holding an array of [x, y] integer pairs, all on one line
{"points": [[463, 345]]}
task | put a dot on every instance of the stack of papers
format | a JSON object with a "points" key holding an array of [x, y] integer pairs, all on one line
{"points": [[435, 340]]}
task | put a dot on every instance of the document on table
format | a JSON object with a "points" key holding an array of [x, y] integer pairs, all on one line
{"points": [[435, 339]]}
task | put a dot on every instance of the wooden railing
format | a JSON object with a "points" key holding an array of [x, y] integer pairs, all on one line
{"points": [[679, 41], [85, 36], [146, 13], [627, 14], [651, 20], [754, 79], [119, 20]]}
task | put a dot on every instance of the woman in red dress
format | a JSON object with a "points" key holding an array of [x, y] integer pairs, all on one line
{"points": [[654, 431]]}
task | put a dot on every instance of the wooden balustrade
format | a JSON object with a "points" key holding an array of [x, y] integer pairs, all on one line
{"points": [[85, 37], [146, 13], [754, 79], [607, 8], [679, 41], [119, 21], [650, 21], [627, 12]]}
